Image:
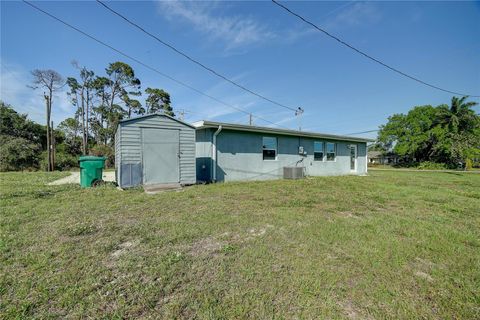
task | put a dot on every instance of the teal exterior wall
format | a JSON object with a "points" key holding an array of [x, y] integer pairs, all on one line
{"points": [[239, 156], [129, 153], [203, 152]]}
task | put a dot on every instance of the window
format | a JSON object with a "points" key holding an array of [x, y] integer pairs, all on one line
{"points": [[318, 151], [331, 151], [269, 148]]}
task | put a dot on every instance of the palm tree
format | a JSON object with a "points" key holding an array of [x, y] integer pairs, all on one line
{"points": [[460, 116], [460, 122]]}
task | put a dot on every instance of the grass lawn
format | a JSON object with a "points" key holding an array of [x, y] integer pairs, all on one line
{"points": [[390, 245]]}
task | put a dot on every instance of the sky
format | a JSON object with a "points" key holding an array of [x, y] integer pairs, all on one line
{"points": [[260, 46]]}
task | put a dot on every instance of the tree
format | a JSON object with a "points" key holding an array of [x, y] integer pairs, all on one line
{"points": [[20, 140], [81, 95], [133, 106], [157, 100], [51, 81], [441, 134], [17, 125], [409, 135], [100, 111], [461, 130], [459, 116], [70, 127], [18, 153], [122, 83]]}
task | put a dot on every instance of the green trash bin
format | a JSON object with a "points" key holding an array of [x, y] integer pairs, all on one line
{"points": [[91, 169]]}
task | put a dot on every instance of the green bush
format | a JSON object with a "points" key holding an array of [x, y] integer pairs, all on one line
{"points": [[101, 150], [63, 161], [468, 164], [406, 164], [428, 165], [18, 153]]}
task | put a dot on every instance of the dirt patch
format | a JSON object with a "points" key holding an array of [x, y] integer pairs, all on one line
{"points": [[348, 214], [206, 247], [421, 268], [124, 248], [424, 275], [351, 311], [258, 232], [74, 178]]}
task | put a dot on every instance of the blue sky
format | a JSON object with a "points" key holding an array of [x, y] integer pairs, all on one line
{"points": [[260, 46]]}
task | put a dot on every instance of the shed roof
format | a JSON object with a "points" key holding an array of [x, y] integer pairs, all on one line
{"points": [[241, 127], [159, 114]]}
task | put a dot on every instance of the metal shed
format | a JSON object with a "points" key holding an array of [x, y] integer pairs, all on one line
{"points": [[155, 149]]}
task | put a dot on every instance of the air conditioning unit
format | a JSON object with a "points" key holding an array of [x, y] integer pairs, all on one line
{"points": [[293, 172]]}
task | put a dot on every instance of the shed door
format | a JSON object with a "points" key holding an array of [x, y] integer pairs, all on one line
{"points": [[160, 155]]}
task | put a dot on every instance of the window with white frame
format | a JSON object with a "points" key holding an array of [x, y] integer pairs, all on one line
{"points": [[318, 150], [331, 151], [269, 148]]}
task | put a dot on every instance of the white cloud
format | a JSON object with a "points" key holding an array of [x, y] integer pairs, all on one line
{"points": [[354, 15], [14, 91], [235, 31]]}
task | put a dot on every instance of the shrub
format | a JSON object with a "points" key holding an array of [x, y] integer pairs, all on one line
{"points": [[18, 153], [63, 161], [406, 164], [102, 150], [428, 165], [468, 164]]}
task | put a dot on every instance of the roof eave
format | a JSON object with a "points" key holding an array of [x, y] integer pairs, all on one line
{"points": [[211, 124], [159, 115]]}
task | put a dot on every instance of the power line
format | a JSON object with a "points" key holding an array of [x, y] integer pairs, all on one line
{"points": [[194, 60], [366, 54], [146, 65], [369, 131]]}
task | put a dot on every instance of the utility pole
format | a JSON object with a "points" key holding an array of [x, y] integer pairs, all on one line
{"points": [[298, 114], [53, 146], [250, 119], [49, 158]]}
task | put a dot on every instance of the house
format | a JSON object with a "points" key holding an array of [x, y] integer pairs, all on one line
{"points": [[378, 157], [159, 149], [233, 152]]}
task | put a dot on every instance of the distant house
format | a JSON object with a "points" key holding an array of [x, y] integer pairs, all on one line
{"points": [[159, 149], [378, 157]]}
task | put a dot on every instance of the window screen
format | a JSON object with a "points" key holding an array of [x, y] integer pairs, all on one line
{"points": [[318, 151], [269, 148], [331, 151]]}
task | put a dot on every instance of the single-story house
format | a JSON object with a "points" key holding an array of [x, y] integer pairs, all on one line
{"points": [[159, 149], [378, 157], [232, 152]]}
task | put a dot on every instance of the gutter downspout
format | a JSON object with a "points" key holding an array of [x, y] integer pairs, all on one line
{"points": [[214, 153]]}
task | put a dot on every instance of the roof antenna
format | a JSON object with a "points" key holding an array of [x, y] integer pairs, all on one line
{"points": [[298, 114]]}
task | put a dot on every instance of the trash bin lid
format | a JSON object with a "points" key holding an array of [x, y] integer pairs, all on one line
{"points": [[91, 158]]}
